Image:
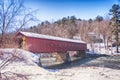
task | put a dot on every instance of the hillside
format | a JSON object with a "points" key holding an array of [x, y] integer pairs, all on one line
{"points": [[68, 27]]}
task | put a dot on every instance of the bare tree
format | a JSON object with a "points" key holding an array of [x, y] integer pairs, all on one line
{"points": [[106, 32], [13, 14]]}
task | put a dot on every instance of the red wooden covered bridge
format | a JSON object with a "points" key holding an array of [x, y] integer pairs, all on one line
{"points": [[39, 43]]}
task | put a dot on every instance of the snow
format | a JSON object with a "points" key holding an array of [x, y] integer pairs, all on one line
{"points": [[28, 68], [25, 56], [99, 48], [96, 48], [30, 34], [78, 73]]}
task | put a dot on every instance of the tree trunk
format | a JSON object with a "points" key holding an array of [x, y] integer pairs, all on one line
{"points": [[1, 39], [104, 41], [117, 46]]}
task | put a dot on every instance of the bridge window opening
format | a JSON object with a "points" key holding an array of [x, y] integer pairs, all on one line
{"points": [[19, 41]]}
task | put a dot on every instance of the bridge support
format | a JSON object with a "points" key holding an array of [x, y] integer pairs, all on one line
{"points": [[40, 63], [63, 57]]}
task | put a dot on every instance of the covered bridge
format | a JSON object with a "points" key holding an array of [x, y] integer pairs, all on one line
{"points": [[39, 43]]}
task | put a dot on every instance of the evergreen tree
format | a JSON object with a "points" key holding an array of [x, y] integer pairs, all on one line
{"points": [[115, 12], [99, 18], [73, 19]]}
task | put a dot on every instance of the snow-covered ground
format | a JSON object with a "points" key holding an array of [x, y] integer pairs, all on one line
{"points": [[26, 68], [99, 48], [77, 73], [24, 56]]}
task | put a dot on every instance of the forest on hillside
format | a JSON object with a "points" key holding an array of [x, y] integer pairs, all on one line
{"points": [[69, 27]]}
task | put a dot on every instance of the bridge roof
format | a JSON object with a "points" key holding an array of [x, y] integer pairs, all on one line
{"points": [[36, 35]]}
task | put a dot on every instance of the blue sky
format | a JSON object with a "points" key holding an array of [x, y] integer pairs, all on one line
{"points": [[53, 10]]}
